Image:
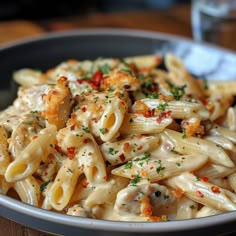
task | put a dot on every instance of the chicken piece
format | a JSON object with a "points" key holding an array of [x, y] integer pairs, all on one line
{"points": [[78, 210], [144, 199], [118, 79], [25, 131], [4, 155], [58, 103]]}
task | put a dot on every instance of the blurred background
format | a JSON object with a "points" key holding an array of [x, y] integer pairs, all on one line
{"points": [[35, 10]]}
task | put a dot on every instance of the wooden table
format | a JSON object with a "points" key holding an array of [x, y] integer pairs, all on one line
{"points": [[173, 21]]}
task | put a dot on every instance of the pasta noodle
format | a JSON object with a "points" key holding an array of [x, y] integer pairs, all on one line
{"points": [[123, 139]]}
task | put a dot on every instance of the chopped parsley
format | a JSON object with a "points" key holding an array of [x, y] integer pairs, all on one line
{"points": [[124, 62], [178, 164], [105, 69], [153, 95], [160, 167], [135, 180], [69, 170], [112, 151], [143, 159], [103, 130], [85, 129], [44, 185], [30, 122], [174, 151], [34, 112], [176, 91], [128, 165], [162, 107], [184, 134], [140, 76]]}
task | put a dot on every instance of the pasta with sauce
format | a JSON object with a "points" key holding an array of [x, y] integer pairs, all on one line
{"points": [[128, 139]]}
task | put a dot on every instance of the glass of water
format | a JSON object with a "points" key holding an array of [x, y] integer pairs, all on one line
{"points": [[214, 21]]}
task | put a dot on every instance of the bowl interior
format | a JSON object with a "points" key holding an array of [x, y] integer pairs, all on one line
{"points": [[49, 50]]}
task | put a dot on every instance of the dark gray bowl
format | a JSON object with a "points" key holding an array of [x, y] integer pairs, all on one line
{"points": [[49, 50]]}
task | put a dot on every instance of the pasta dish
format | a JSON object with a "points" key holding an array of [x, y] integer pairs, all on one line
{"points": [[129, 139]]}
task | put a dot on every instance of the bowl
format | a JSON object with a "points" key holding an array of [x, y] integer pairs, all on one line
{"points": [[49, 50]]}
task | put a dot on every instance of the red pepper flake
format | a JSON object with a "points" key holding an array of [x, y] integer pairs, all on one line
{"points": [[149, 113], [72, 127], [140, 147], [123, 103], [97, 78], [126, 147], [85, 184], [199, 194], [159, 120], [85, 140], [90, 153], [143, 172], [122, 157], [215, 189], [178, 192], [205, 179], [80, 81], [95, 119], [83, 109], [46, 173], [58, 148], [54, 92], [91, 83], [35, 137], [71, 152], [163, 116], [151, 168]]}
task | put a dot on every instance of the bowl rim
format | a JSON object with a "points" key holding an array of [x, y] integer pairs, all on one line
{"points": [[115, 226], [107, 31]]}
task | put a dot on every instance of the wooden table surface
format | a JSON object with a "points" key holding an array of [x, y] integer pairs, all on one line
{"points": [[173, 21]]}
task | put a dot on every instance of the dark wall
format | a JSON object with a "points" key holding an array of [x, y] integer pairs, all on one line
{"points": [[39, 9]]}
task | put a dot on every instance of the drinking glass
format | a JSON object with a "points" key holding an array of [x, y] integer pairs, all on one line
{"points": [[214, 21]]}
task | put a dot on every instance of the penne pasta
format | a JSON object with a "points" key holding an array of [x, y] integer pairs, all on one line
{"points": [[5, 158], [91, 161], [4, 185], [126, 149], [179, 109], [207, 211], [112, 119], [138, 124], [124, 139], [29, 160], [62, 188], [188, 145], [187, 209], [155, 169], [204, 192], [232, 181], [28, 190], [180, 76], [231, 118]]}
